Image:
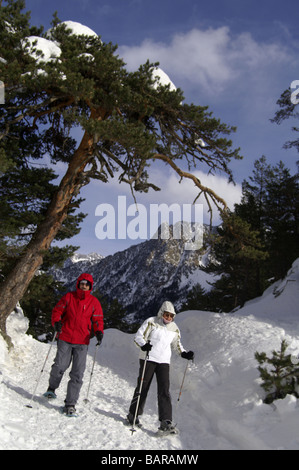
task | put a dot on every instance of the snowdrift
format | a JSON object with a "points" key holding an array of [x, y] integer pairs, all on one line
{"points": [[221, 407]]}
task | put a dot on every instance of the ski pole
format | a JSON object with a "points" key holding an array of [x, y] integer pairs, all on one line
{"points": [[181, 389], [182, 384], [139, 392], [91, 374], [41, 372]]}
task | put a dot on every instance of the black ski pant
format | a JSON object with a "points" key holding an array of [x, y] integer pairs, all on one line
{"points": [[164, 399], [68, 353]]}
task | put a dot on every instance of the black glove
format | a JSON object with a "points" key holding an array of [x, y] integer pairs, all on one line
{"points": [[147, 347], [99, 336], [188, 355], [58, 326]]}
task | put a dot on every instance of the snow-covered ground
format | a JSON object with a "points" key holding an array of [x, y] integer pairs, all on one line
{"points": [[221, 406]]}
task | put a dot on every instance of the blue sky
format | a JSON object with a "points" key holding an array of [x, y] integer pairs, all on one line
{"points": [[235, 56]]}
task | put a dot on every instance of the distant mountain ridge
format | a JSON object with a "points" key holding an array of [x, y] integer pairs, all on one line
{"points": [[144, 275]]}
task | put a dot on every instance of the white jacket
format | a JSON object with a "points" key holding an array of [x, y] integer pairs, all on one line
{"points": [[163, 337]]}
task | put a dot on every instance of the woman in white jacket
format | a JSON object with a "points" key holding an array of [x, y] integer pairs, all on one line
{"points": [[156, 338]]}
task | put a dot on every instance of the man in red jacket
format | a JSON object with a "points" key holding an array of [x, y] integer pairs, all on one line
{"points": [[77, 315]]}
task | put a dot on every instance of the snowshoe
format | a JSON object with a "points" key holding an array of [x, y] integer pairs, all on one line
{"points": [[167, 428], [69, 411], [50, 394]]}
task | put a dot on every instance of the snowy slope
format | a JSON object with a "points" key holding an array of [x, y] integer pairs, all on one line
{"points": [[221, 406]]}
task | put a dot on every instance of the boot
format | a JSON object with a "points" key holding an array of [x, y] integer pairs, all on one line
{"points": [[167, 427], [130, 420], [69, 411]]}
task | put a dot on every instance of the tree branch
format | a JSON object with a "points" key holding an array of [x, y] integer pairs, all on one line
{"points": [[208, 192]]}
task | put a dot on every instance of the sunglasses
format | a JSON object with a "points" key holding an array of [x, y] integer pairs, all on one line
{"points": [[84, 283], [169, 315]]}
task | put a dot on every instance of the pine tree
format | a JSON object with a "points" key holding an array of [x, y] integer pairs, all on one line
{"points": [[281, 222], [270, 204], [287, 110], [197, 299], [258, 242], [237, 249], [25, 192], [127, 122], [253, 210], [42, 295], [254, 193], [279, 375]]}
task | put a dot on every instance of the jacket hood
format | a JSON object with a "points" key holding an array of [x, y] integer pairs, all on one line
{"points": [[166, 307], [87, 277]]}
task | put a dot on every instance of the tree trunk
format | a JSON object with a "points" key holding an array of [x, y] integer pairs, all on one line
{"points": [[16, 283]]}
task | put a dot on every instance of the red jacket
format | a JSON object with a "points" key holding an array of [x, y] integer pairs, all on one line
{"points": [[79, 312]]}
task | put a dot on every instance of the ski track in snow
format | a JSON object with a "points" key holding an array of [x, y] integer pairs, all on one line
{"points": [[100, 424], [221, 407], [206, 415]]}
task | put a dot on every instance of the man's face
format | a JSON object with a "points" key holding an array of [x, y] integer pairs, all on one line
{"points": [[84, 285]]}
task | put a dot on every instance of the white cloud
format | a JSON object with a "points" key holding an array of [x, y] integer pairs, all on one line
{"points": [[211, 58]]}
